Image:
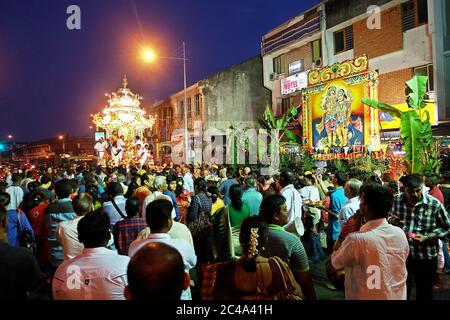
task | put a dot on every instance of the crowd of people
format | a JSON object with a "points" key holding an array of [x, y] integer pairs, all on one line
{"points": [[214, 232]]}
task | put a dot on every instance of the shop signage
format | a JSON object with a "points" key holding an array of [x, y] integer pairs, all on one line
{"points": [[294, 83]]}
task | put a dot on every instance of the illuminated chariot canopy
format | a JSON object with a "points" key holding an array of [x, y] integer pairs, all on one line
{"points": [[123, 114]]}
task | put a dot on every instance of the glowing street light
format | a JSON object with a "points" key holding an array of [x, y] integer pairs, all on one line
{"points": [[10, 136], [148, 55]]}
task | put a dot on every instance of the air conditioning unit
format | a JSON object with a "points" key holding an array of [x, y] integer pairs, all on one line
{"points": [[273, 76], [317, 64]]}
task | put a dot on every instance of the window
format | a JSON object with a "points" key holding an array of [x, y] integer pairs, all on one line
{"points": [[296, 67], [316, 50], [197, 104], [414, 14], [169, 117], [189, 107], [279, 64], [426, 71], [181, 108], [286, 103], [422, 11], [343, 40]]}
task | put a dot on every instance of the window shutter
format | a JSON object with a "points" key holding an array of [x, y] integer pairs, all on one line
{"points": [[408, 15], [349, 38]]}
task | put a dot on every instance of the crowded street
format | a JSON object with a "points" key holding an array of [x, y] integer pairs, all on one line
{"points": [[225, 152]]}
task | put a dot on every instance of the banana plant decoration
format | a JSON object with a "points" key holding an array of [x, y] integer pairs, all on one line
{"points": [[415, 126]]}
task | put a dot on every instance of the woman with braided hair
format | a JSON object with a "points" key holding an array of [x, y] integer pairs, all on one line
{"points": [[252, 276]]}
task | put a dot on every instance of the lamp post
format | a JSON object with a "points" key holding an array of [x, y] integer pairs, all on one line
{"points": [[186, 155], [63, 144], [11, 145], [150, 56]]}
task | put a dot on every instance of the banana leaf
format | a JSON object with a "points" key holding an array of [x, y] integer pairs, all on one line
{"points": [[269, 117], [292, 136], [294, 111], [410, 132], [417, 92], [280, 123], [383, 107]]}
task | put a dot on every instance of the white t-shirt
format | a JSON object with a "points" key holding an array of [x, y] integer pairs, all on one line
{"points": [[16, 194], [96, 274], [294, 206]]}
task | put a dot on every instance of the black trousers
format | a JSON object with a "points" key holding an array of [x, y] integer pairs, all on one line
{"points": [[423, 273]]}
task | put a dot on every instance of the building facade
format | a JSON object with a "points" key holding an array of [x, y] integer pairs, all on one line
{"points": [[71, 146], [440, 30], [234, 98], [288, 52], [195, 114], [401, 38], [162, 129]]}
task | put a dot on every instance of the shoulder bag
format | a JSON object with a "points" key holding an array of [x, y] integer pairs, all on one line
{"points": [[202, 224], [118, 209], [292, 290]]}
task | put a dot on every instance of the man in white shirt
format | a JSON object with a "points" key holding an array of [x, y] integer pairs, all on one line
{"points": [[115, 208], [159, 221], [374, 258], [100, 148], [351, 191], [188, 180], [67, 232], [293, 202], [144, 155], [120, 148], [15, 191], [27, 180], [98, 273]]}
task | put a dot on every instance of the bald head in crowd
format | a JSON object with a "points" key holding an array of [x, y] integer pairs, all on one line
{"points": [[156, 272]]}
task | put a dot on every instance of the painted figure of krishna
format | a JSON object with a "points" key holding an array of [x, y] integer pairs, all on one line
{"points": [[333, 114]]}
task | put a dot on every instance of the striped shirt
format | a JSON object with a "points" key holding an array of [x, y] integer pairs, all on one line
{"points": [[286, 246], [427, 216]]}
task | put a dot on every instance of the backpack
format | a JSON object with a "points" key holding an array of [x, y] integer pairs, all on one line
{"points": [[26, 238]]}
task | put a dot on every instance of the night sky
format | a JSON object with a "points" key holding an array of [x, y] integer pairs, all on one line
{"points": [[52, 78]]}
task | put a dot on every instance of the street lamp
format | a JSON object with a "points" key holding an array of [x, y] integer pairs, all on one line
{"points": [[63, 143], [11, 145], [149, 56]]}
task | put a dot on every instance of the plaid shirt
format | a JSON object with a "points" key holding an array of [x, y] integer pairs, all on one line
{"points": [[126, 231], [200, 202], [428, 216]]}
